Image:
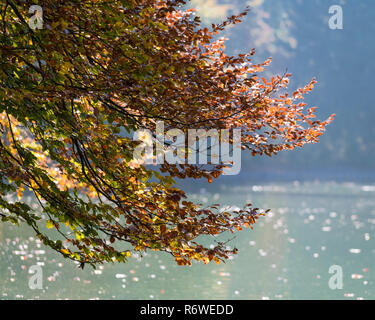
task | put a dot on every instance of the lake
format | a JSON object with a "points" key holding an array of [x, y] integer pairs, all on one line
{"points": [[311, 227]]}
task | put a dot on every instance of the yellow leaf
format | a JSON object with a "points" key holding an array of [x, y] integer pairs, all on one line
{"points": [[65, 251], [50, 224], [79, 236], [126, 253], [19, 194]]}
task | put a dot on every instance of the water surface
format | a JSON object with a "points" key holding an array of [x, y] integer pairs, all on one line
{"points": [[311, 226]]}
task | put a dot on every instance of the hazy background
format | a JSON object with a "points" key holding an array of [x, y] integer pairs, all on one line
{"points": [[295, 33]]}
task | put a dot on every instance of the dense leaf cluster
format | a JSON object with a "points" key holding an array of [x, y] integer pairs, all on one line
{"points": [[72, 93]]}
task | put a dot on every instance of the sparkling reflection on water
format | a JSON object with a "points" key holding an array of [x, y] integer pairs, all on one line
{"points": [[311, 227]]}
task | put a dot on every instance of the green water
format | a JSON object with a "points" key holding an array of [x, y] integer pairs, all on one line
{"points": [[311, 227]]}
